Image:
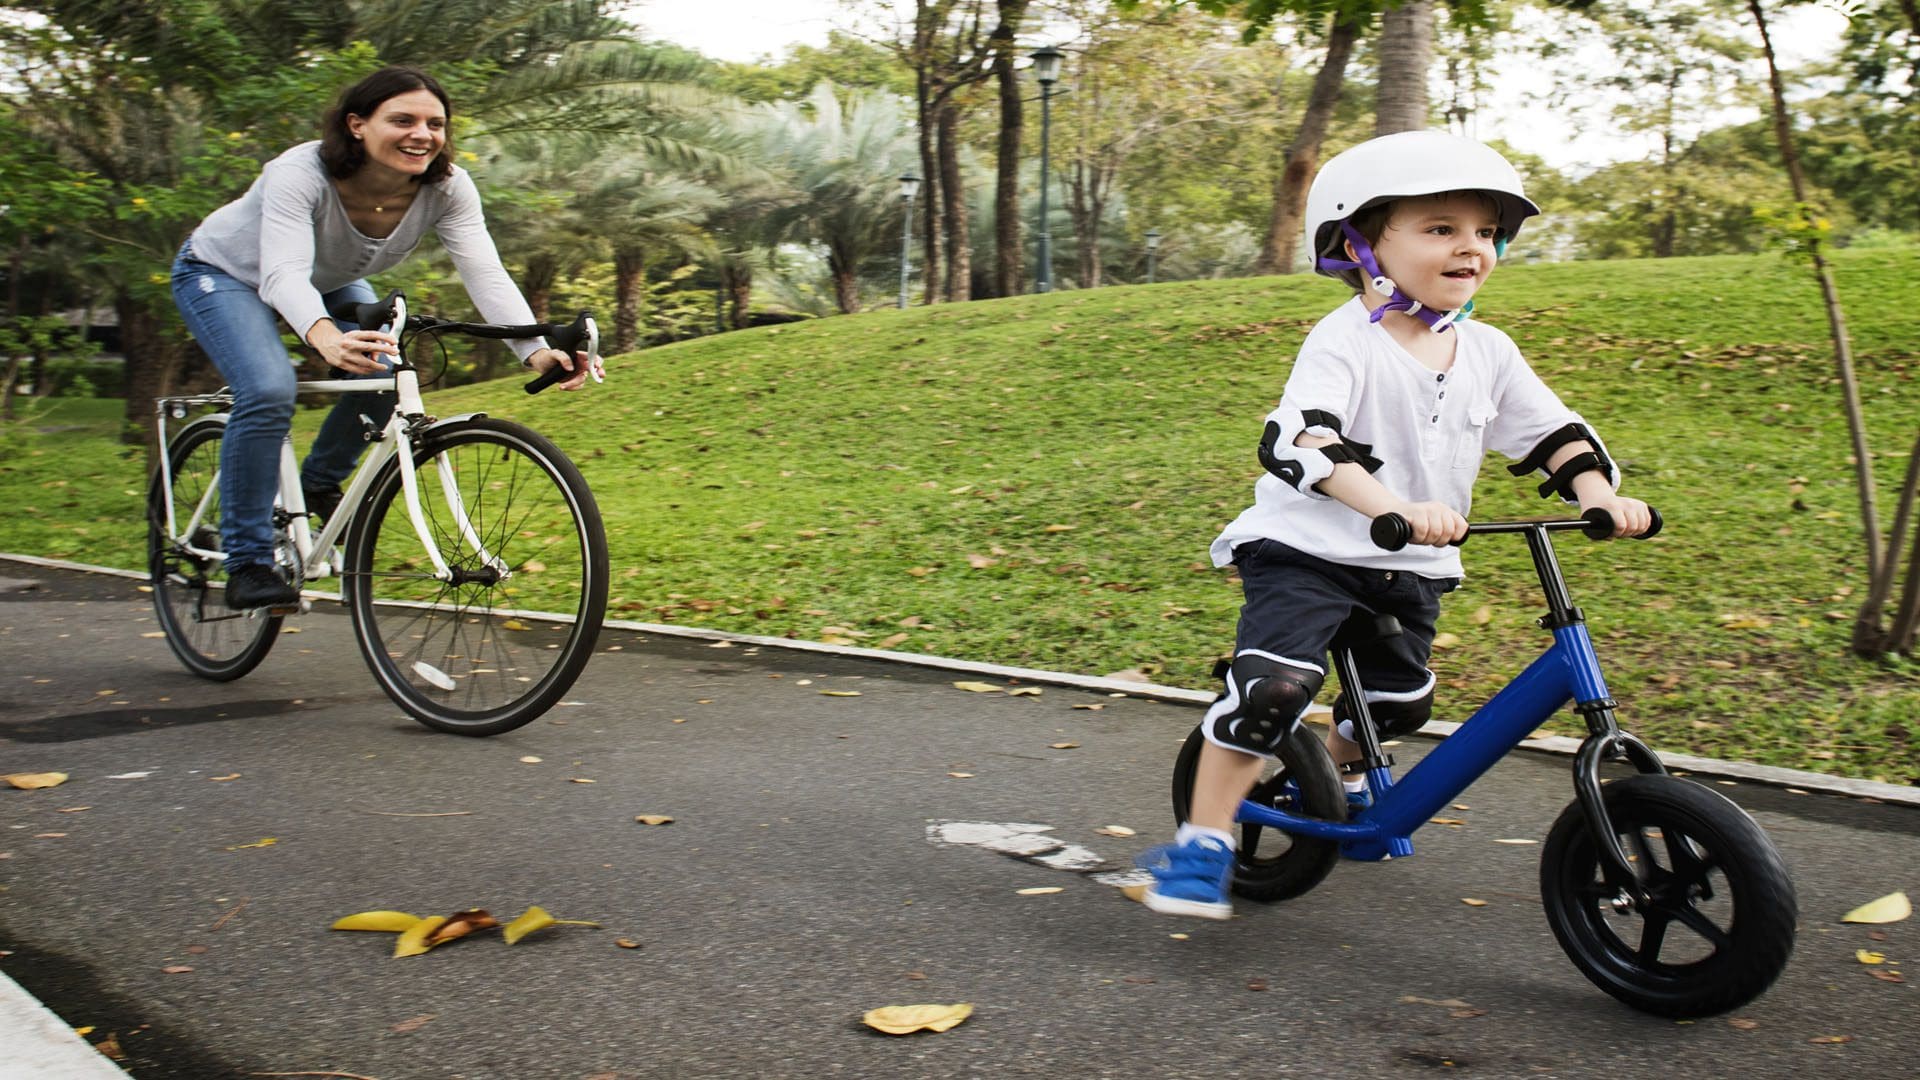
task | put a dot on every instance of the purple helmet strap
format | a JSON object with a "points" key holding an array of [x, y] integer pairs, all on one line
{"points": [[1436, 321]]}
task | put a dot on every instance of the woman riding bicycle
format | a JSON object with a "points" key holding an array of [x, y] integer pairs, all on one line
{"points": [[320, 218]]}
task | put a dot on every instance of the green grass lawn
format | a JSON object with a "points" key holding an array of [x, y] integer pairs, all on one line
{"points": [[1035, 481]]}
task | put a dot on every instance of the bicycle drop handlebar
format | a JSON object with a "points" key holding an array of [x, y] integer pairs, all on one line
{"points": [[580, 335], [1392, 532]]}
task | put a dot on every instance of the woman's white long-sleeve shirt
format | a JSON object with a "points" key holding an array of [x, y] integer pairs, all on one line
{"points": [[290, 238]]}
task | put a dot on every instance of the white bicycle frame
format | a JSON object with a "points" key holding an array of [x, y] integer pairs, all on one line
{"points": [[396, 439]]}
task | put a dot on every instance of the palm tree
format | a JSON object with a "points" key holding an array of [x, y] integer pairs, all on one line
{"points": [[841, 157]]}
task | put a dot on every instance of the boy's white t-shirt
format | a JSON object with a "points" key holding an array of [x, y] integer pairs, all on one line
{"points": [[1429, 429]]}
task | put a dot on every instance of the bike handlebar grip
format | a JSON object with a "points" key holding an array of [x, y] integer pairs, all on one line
{"points": [[568, 339], [1390, 531], [1600, 524], [367, 316]]}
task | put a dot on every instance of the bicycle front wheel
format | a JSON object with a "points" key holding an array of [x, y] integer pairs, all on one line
{"points": [[213, 641], [505, 638]]}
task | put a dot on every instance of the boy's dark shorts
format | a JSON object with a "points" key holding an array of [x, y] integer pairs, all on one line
{"points": [[1295, 604]]}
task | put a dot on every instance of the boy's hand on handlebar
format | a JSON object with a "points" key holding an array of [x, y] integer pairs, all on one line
{"points": [[1433, 523], [577, 363], [1631, 517]]}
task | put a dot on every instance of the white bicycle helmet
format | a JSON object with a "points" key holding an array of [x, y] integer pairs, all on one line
{"points": [[1399, 166]]}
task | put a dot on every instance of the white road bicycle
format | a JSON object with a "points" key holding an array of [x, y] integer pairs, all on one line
{"points": [[470, 552]]}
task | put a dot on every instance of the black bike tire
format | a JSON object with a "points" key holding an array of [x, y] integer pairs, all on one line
{"points": [[1760, 934], [359, 590], [266, 628], [1306, 861]]}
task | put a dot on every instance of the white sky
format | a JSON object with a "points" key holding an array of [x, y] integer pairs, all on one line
{"points": [[746, 30]]}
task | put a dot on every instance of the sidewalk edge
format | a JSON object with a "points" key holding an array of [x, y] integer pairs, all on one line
{"points": [[41, 1046]]}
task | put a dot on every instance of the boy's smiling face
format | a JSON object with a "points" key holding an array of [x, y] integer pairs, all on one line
{"points": [[1437, 248]]}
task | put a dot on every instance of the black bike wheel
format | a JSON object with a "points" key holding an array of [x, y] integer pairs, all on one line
{"points": [[211, 640], [1721, 923], [475, 655], [1270, 864]]}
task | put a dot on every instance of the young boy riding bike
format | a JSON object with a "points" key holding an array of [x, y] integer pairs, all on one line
{"points": [[1391, 405]]}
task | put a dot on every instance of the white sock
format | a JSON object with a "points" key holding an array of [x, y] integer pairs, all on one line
{"points": [[1357, 783], [1346, 730], [1190, 832]]}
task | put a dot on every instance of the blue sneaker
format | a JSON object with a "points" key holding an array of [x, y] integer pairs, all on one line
{"points": [[1190, 878], [1359, 800]]}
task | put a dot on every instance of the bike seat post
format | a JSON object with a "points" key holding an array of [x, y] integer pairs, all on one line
{"points": [[1374, 761]]}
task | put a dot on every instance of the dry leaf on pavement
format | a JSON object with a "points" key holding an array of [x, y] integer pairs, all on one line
{"points": [[1892, 907], [28, 781], [905, 1019], [977, 687], [391, 922]]}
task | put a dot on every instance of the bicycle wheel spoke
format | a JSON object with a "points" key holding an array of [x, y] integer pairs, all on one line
{"points": [[1653, 934], [1697, 921]]}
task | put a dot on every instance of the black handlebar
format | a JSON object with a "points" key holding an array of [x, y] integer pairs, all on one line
{"points": [[1392, 532], [569, 338], [582, 334]]}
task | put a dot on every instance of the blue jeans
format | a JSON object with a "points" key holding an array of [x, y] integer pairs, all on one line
{"points": [[241, 335]]}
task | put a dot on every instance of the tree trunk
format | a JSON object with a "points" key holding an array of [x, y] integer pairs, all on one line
{"points": [[846, 288], [1006, 190], [1406, 53], [629, 285], [1303, 155], [953, 206], [537, 284], [16, 264], [1868, 637], [1088, 182], [153, 361], [738, 278]]}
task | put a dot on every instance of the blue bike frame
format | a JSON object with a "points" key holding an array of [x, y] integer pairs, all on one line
{"points": [[1569, 671]]}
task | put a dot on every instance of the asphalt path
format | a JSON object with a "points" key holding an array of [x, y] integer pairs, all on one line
{"points": [[221, 828]]}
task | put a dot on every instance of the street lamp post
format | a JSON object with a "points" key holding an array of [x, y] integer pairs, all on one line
{"points": [[1153, 247], [909, 186], [1046, 71]]}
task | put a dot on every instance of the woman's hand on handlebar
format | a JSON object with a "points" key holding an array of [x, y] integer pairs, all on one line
{"points": [[578, 363], [362, 352], [1433, 523], [1631, 517]]}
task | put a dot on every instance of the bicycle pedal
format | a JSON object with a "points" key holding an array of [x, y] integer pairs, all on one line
{"points": [[305, 605]]}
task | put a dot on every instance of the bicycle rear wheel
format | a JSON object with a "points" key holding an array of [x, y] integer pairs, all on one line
{"points": [[483, 653], [213, 641], [1270, 864]]}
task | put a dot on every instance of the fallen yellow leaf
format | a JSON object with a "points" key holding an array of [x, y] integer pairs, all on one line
{"points": [[1831, 1039], [460, 924], [977, 687], [1892, 907], [626, 943], [413, 940], [392, 922], [1867, 956], [905, 1019], [534, 918], [654, 819], [1471, 902], [1091, 708], [1064, 746], [1040, 890], [267, 841], [1114, 830], [840, 693], [961, 775], [28, 781], [1446, 821], [514, 624], [1024, 691]]}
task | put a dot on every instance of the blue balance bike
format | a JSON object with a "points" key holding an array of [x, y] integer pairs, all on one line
{"points": [[1663, 892]]}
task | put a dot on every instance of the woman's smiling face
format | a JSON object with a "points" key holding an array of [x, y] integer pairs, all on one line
{"points": [[405, 133]]}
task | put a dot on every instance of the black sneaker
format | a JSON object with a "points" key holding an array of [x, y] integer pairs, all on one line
{"points": [[257, 585], [321, 502]]}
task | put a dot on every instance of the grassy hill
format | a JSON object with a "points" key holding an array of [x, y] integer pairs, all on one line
{"points": [[1035, 481]]}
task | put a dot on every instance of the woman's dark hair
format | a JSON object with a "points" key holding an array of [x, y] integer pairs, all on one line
{"points": [[343, 154]]}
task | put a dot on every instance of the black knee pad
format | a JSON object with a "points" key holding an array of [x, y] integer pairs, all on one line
{"points": [[1264, 698], [1391, 719]]}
